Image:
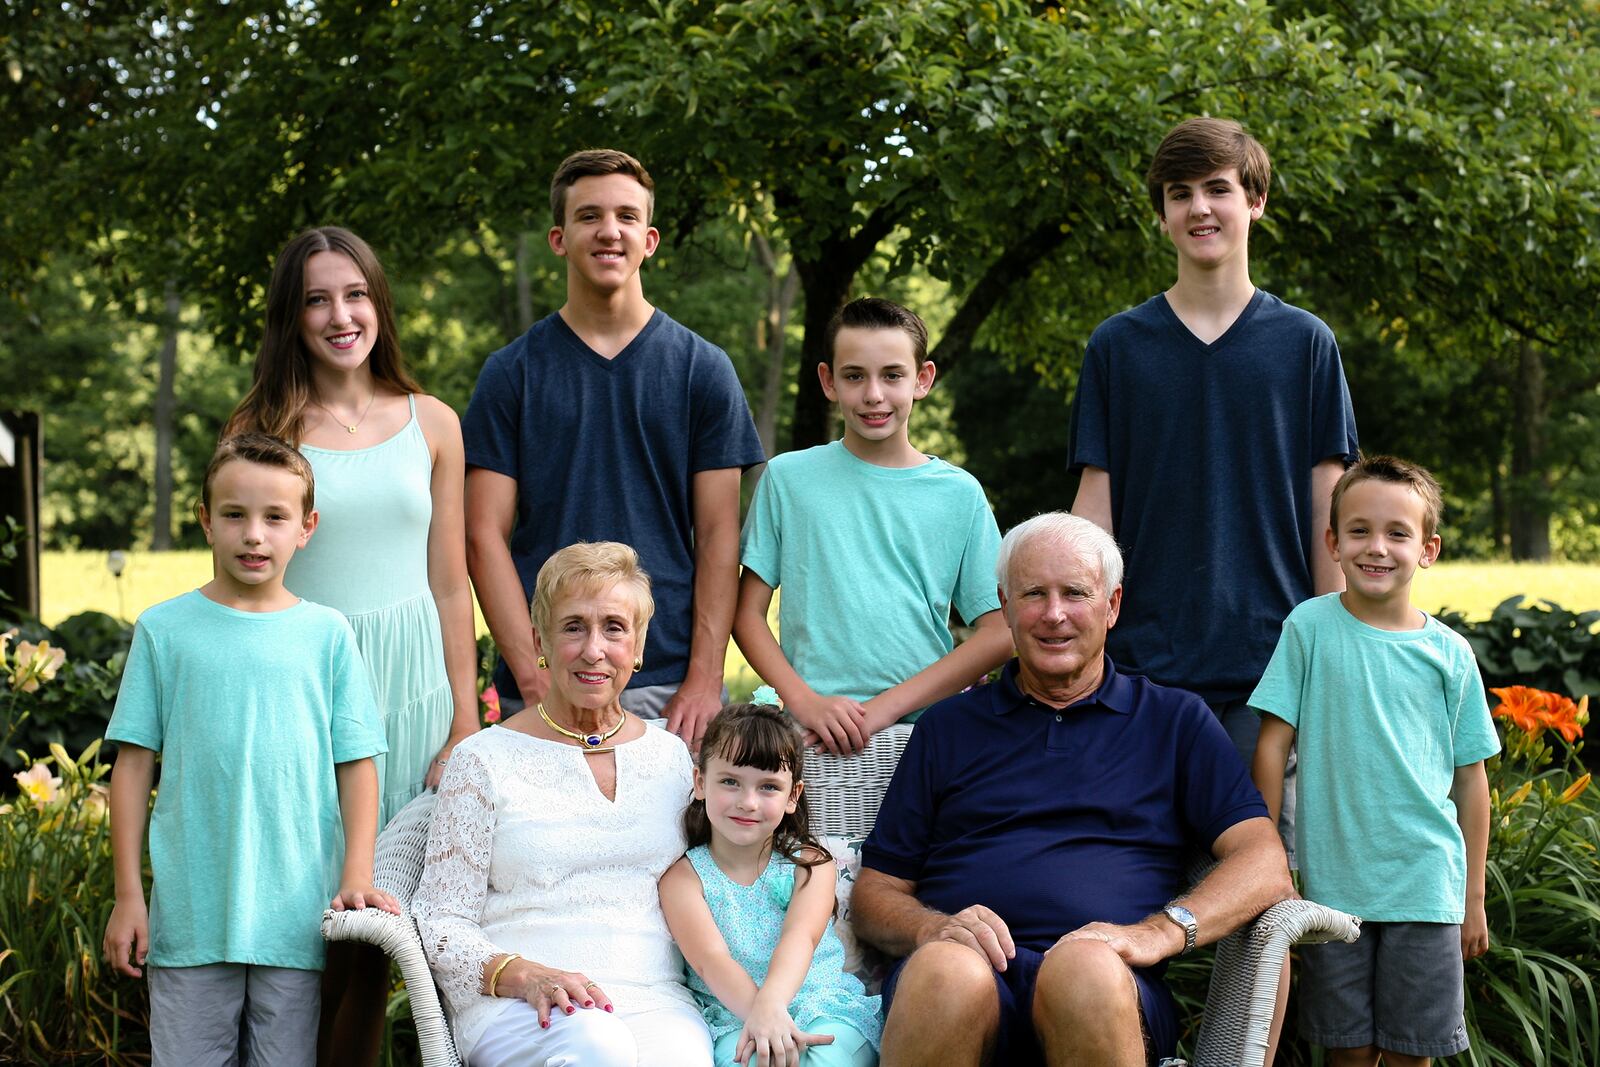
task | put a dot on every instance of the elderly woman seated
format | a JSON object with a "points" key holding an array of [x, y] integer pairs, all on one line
{"points": [[538, 905]]}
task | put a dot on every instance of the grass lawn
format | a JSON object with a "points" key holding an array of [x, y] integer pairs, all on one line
{"points": [[79, 581]]}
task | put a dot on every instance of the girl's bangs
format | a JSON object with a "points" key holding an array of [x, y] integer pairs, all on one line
{"points": [[763, 743]]}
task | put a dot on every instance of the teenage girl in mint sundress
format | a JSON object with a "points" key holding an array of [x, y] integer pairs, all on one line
{"points": [[390, 551]]}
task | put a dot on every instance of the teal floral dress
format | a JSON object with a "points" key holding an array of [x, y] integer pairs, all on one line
{"points": [[751, 918]]}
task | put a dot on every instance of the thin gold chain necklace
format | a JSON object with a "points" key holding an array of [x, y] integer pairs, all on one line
{"points": [[591, 742], [349, 427]]}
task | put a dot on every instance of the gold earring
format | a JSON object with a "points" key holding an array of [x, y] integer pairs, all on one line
{"points": [[638, 663], [544, 664]]}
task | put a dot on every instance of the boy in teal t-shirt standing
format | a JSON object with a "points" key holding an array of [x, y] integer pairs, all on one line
{"points": [[872, 543], [1393, 824], [261, 710]]}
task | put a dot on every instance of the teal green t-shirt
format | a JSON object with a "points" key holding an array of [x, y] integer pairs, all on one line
{"points": [[250, 712], [1384, 718], [870, 560]]}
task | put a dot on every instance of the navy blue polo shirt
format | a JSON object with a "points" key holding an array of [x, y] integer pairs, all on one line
{"points": [[1054, 819]]}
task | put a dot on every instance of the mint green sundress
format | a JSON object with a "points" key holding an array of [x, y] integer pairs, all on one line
{"points": [[369, 560], [750, 918]]}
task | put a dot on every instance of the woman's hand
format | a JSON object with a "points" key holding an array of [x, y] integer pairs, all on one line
{"points": [[436, 768], [548, 989], [770, 1037]]}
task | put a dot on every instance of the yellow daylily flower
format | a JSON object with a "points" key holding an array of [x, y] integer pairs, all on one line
{"points": [[38, 785]]}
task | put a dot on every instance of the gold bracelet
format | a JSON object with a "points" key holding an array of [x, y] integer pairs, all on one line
{"points": [[495, 977]]}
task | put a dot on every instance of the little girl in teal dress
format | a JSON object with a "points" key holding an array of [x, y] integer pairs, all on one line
{"points": [[751, 907]]}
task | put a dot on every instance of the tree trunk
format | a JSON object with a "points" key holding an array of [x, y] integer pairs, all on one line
{"points": [[826, 280], [1529, 495], [524, 286], [1497, 505], [161, 524], [772, 339]]}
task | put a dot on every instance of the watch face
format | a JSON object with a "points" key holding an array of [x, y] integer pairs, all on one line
{"points": [[1184, 918]]}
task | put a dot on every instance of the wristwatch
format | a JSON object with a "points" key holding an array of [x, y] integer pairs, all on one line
{"points": [[1185, 919]]}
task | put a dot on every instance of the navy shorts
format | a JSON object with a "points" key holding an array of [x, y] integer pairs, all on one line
{"points": [[1399, 988], [1016, 1043]]}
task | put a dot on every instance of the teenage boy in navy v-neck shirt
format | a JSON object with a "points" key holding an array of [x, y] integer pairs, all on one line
{"points": [[1210, 425], [608, 421]]}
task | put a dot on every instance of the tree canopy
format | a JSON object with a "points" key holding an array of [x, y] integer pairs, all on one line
{"points": [[1435, 189]]}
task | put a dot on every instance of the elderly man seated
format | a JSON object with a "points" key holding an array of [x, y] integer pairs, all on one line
{"points": [[1030, 853]]}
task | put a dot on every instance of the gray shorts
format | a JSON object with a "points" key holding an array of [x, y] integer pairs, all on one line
{"points": [[1399, 988], [225, 1014]]}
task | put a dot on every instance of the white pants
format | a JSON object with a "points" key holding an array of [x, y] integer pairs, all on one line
{"points": [[674, 1036]]}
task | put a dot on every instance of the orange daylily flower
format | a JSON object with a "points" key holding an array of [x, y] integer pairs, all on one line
{"points": [[1533, 711]]}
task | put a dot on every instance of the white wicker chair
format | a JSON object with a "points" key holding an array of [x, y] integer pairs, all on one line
{"points": [[397, 870], [846, 792]]}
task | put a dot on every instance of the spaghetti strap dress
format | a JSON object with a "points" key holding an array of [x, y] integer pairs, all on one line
{"points": [[369, 560]]}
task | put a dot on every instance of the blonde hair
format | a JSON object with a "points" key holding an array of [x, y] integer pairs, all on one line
{"points": [[591, 565]]}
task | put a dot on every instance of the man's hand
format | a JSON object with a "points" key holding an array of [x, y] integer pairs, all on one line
{"points": [[1474, 932], [839, 723], [534, 687], [979, 929], [691, 710], [1141, 944]]}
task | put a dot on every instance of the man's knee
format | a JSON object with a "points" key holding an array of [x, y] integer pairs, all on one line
{"points": [[1084, 980], [949, 979]]}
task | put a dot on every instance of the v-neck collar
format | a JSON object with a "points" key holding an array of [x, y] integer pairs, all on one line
{"points": [[1221, 342], [581, 347]]}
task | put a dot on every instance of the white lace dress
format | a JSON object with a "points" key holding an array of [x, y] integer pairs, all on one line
{"points": [[526, 855]]}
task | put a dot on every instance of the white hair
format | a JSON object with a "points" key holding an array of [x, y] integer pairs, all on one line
{"points": [[1067, 531]]}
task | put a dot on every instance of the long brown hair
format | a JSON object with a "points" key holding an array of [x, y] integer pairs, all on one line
{"points": [[281, 387], [759, 736]]}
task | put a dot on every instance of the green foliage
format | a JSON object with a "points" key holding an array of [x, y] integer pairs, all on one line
{"points": [[58, 1002], [1533, 999], [1543, 645]]}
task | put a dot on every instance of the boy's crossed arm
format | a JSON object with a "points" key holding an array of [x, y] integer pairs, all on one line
{"points": [[841, 724], [838, 723]]}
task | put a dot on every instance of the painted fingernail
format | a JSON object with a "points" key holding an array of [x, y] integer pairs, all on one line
{"points": [[588, 1003], [608, 1007], [545, 1025], [570, 1009]]}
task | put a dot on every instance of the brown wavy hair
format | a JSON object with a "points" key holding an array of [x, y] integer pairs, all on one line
{"points": [[759, 736], [1195, 148], [281, 387]]}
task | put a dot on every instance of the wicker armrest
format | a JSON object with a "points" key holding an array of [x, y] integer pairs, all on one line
{"points": [[1245, 978], [397, 868]]}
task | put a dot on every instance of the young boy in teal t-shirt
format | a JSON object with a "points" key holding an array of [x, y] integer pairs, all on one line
{"points": [[873, 543], [1393, 825], [261, 710]]}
